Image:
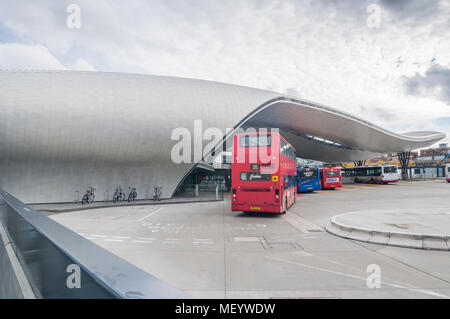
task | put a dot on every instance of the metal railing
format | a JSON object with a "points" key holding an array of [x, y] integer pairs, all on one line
{"points": [[203, 191], [59, 263]]}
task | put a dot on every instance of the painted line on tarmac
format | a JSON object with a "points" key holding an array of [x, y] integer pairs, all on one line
{"points": [[157, 210], [339, 273], [300, 223], [113, 240], [360, 186], [173, 241]]}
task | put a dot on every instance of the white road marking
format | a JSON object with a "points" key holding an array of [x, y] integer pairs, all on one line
{"points": [[114, 240], [143, 241], [173, 241], [431, 293], [424, 291], [100, 236], [247, 239], [300, 223], [208, 241], [146, 238], [139, 220], [120, 237]]}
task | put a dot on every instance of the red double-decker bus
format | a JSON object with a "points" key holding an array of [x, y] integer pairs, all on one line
{"points": [[263, 173], [330, 177]]}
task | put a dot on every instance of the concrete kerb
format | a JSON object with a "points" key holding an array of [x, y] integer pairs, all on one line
{"points": [[406, 240], [136, 203], [435, 243]]}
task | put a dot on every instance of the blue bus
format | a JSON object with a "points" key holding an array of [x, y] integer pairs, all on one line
{"points": [[308, 178]]}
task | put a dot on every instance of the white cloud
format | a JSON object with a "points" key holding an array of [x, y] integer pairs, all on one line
{"points": [[321, 49], [82, 65], [14, 56]]}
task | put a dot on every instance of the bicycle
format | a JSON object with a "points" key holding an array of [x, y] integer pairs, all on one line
{"points": [[157, 194], [89, 197], [119, 196], [132, 195]]}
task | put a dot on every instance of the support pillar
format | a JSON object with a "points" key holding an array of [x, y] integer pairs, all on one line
{"points": [[360, 163], [403, 158]]}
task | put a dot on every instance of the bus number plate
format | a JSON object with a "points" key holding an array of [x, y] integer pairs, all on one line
{"points": [[255, 208]]}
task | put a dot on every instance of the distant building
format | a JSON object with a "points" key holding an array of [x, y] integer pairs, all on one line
{"points": [[443, 149]]}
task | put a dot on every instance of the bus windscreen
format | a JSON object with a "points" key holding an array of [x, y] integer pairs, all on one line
{"points": [[332, 173], [390, 169], [308, 173], [255, 140]]}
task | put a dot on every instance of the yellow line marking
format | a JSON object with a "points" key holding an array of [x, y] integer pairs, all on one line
{"points": [[360, 186]]}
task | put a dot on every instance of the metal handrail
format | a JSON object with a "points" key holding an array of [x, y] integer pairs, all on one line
{"points": [[46, 249]]}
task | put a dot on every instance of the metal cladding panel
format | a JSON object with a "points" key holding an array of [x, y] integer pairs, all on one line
{"points": [[62, 131]]}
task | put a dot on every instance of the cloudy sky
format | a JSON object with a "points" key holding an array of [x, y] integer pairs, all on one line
{"points": [[386, 61]]}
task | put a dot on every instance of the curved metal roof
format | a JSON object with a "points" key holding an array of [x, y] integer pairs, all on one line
{"points": [[61, 131]]}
